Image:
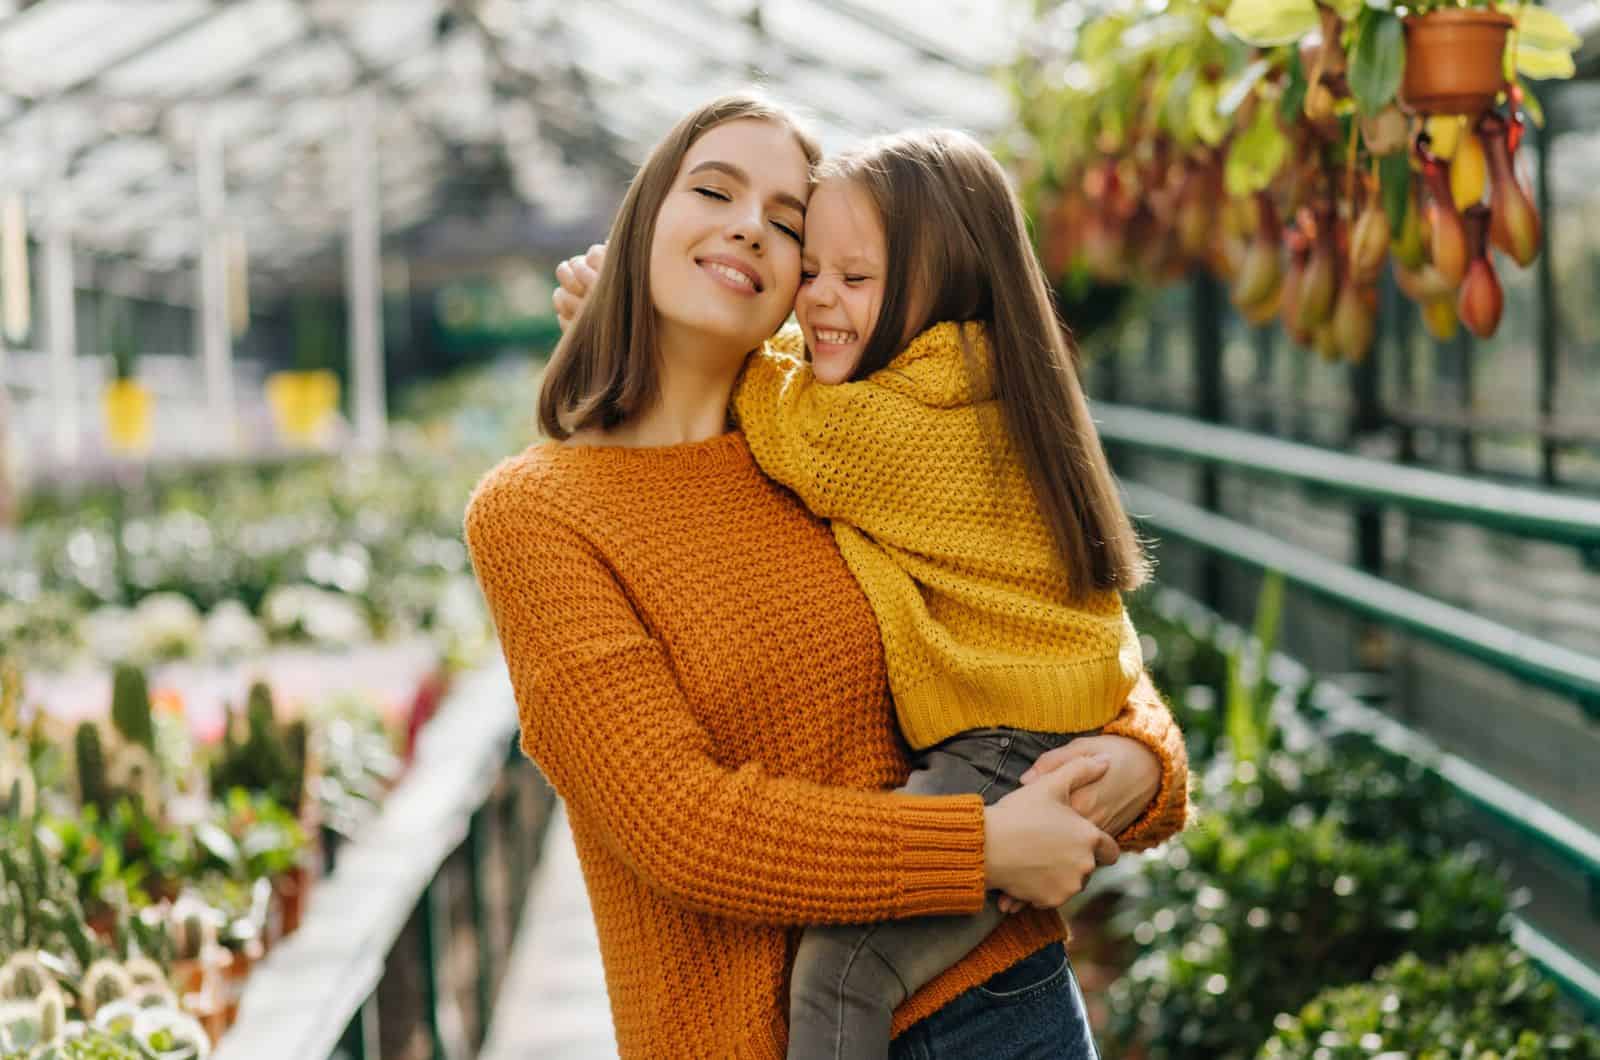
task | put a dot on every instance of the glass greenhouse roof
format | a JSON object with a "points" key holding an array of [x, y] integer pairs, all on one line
{"points": [[106, 105]]}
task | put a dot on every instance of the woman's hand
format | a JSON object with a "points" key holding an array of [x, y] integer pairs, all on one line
{"points": [[1117, 799], [1039, 850], [1114, 800], [576, 276]]}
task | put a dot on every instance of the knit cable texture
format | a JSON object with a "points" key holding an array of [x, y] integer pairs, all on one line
{"points": [[701, 680], [936, 517]]}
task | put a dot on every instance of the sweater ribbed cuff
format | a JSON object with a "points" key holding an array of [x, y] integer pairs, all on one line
{"points": [[941, 855]]}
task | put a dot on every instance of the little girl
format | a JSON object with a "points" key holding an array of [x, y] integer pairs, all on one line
{"points": [[939, 423]]}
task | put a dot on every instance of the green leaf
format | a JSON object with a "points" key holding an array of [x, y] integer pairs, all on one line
{"points": [[1348, 10], [1207, 124], [1378, 61], [1268, 23], [1531, 105], [1544, 64], [1540, 27], [1256, 155], [1241, 87], [1294, 91], [218, 844], [1394, 183]]}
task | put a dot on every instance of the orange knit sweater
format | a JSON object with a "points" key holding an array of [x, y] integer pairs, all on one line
{"points": [[702, 681]]}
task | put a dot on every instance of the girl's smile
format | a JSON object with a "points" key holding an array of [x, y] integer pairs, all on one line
{"points": [[841, 278]]}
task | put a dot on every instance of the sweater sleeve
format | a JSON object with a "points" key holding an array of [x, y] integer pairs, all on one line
{"points": [[603, 715], [1148, 719]]}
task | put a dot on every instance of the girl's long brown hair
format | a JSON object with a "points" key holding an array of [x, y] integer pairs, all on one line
{"points": [[958, 244], [604, 368]]}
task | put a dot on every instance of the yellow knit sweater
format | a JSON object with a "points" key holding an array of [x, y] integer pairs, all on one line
{"points": [[935, 514]]}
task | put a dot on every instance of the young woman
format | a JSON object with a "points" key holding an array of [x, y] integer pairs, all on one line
{"points": [[704, 683]]}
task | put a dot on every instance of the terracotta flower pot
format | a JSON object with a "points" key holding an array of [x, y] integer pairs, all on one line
{"points": [[1455, 61]]}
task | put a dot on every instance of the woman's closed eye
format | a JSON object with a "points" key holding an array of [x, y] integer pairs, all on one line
{"points": [[790, 230]]}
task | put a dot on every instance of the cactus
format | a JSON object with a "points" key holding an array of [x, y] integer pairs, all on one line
{"points": [[105, 981], [52, 1013], [261, 757], [297, 743], [10, 695], [153, 995], [144, 971], [133, 772], [18, 789], [92, 787], [23, 978], [130, 706], [193, 927]]}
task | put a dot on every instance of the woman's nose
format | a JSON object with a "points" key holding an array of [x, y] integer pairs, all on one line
{"points": [[746, 230]]}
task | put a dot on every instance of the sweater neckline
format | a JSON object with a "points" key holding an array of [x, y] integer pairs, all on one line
{"points": [[722, 449]]}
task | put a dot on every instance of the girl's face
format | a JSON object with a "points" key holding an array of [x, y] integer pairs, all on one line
{"points": [[841, 278], [725, 260]]}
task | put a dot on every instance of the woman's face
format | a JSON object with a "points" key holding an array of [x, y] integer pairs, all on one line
{"points": [[725, 261], [841, 278]]}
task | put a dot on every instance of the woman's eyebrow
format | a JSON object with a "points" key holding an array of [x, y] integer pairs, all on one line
{"points": [[782, 198]]}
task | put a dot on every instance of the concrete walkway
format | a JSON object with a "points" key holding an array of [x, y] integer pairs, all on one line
{"points": [[552, 1004]]}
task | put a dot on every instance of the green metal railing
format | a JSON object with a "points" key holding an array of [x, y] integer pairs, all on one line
{"points": [[1341, 712], [1515, 510], [1523, 655]]}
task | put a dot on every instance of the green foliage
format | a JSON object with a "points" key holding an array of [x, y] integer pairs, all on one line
{"points": [[122, 342], [1374, 796], [130, 706], [1249, 696], [1244, 920], [1377, 60], [1486, 1002], [262, 758]]}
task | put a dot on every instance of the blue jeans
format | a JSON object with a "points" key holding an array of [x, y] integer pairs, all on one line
{"points": [[1031, 1011]]}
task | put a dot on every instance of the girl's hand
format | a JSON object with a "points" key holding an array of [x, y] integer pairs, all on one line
{"points": [[576, 276], [1116, 800], [1037, 849]]}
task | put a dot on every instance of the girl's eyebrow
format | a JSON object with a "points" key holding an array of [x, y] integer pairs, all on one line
{"points": [[782, 198]]}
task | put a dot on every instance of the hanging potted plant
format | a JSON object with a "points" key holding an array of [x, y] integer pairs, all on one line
{"points": [[304, 399], [125, 401], [1454, 59]]}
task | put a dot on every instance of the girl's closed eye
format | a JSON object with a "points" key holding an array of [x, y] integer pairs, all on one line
{"points": [[714, 193]]}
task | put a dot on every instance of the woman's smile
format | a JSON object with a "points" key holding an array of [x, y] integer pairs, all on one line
{"points": [[733, 273]]}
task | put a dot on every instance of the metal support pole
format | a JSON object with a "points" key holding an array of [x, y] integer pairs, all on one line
{"points": [[363, 279], [1545, 277], [361, 1040], [61, 312], [1205, 316], [1264, 340], [216, 346], [477, 868], [1404, 316]]}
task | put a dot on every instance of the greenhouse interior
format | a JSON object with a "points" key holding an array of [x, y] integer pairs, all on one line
{"points": [[404, 405]]}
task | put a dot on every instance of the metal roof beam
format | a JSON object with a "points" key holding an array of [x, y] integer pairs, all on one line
{"points": [[123, 58]]}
